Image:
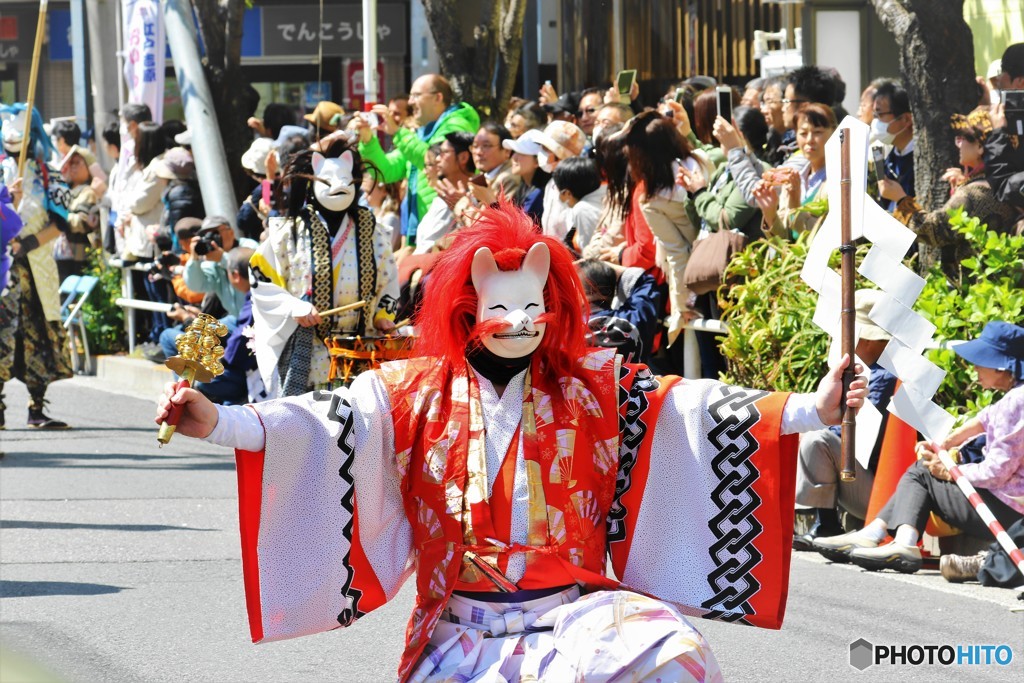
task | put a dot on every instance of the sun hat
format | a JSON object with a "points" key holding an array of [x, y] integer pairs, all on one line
{"points": [[528, 143], [323, 113], [184, 138], [255, 158], [1000, 347], [563, 138], [864, 301], [176, 164], [83, 152]]}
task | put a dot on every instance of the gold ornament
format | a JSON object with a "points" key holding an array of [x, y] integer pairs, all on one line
{"points": [[198, 360]]}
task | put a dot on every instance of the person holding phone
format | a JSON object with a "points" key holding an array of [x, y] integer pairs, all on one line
{"points": [[438, 114], [1004, 161]]}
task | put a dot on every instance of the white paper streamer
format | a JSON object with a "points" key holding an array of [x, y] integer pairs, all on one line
{"points": [[894, 313]]}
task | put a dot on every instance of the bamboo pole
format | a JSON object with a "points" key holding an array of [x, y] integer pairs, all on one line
{"points": [[30, 101], [848, 314]]}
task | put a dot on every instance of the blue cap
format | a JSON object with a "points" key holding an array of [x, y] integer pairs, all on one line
{"points": [[1000, 347]]}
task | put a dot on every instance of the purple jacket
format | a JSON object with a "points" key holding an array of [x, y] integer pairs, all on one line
{"points": [[10, 226], [1002, 470]]}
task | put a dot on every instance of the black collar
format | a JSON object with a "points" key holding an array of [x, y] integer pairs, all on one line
{"points": [[495, 368]]}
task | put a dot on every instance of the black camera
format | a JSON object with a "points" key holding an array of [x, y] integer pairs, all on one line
{"points": [[1013, 105], [160, 269], [206, 243]]}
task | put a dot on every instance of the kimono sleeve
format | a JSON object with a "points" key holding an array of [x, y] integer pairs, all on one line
{"points": [[325, 539], [704, 509]]}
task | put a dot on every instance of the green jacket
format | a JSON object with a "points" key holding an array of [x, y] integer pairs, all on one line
{"points": [[406, 159], [710, 206]]}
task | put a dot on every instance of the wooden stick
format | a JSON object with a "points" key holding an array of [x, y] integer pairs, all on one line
{"points": [[342, 309], [30, 101], [848, 313]]}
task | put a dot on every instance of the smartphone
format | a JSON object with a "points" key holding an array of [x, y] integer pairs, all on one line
{"points": [[479, 179], [878, 160], [680, 95], [372, 120], [724, 94], [624, 81]]}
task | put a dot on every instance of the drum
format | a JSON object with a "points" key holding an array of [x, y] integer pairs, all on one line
{"points": [[352, 354]]}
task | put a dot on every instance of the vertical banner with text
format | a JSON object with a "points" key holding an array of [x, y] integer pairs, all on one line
{"points": [[144, 54]]}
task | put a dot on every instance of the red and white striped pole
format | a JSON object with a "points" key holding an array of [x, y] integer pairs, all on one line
{"points": [[1016, 556]]}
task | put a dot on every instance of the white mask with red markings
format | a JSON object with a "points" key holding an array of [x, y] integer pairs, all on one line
{"points": [[516, 297]]}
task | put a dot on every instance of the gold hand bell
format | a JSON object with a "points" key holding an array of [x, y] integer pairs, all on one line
{"points": [[198, 360]]}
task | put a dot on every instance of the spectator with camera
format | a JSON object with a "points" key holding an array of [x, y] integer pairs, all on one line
{"points": [[207, 269], [1004, 160]]}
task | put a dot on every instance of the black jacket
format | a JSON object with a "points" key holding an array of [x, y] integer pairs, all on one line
{"points": [[1004, 167]]}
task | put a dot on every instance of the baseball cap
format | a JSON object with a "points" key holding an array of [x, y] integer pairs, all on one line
{"points": [[527, 143], [288, 132], [213, 223], [1000, 347]]}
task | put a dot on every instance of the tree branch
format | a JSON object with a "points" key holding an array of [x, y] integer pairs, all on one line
{"points": [[234, 11]]}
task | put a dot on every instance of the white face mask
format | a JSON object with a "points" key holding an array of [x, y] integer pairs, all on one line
{"points": [[880, 132], [547, 161], [339, 191], [516, 296]]}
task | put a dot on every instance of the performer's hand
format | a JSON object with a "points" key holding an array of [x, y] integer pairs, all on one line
{"points": [[198, 416], [828, 399], [311, 319], [384, 324]]}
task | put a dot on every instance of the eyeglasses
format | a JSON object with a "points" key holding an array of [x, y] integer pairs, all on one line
{"points": [[772, 103], [588, 110], [880, 114], [787, 101], [417, 95]]}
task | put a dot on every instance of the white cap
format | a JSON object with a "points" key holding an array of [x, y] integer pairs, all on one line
{"points": [[184, 138], [528, 143]]}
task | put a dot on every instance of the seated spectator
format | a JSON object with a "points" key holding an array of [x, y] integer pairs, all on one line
{"points": [[455, 169], [1004, 159], [231, 387], [83, 214], [529, 116], [207, 270], [927, 487], [818, 485], [893, 124], [530, 196], [579, 188], [492, 160], [784, 197], [624, 307], [560, 140], [970, 190]]}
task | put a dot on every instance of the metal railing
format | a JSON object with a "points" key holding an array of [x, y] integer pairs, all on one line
{"points": [[128, 301]]}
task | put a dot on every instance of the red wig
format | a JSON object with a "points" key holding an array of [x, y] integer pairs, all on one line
{"points": [[446, 320]]}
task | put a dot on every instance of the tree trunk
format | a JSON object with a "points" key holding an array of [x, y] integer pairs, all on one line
{"points": [[481, 62], [937, 70], [220, 28]]}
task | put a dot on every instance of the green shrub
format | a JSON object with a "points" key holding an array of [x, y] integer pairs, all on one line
{"points": [[992, 289], [104, 319], [773, 343]]}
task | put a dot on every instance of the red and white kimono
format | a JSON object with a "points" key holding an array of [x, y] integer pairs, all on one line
{"points": [[687, 486]]}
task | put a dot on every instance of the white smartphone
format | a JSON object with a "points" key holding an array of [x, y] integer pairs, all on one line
{"points": [[724, 93]]}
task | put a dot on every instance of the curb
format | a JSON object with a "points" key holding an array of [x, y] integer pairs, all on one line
{"points": [[131, 375]]}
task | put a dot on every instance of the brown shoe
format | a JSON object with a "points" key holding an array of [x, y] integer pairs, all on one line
{"points": [[960, 568]]}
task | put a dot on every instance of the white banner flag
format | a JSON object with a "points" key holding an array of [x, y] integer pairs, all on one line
{"points": [[145, 50]]}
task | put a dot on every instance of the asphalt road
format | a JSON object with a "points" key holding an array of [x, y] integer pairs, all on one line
{"points": [[119, 561]]}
